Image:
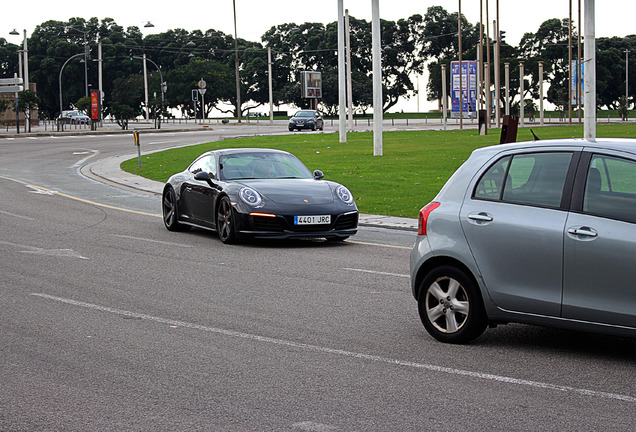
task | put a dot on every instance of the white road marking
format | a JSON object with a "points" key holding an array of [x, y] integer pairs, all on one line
{"points": [[379, 244], [16, 215], [64, 253], [152, 241], [376, 272], [90, 153], [315, 348], [313, 427], [39, 190]]}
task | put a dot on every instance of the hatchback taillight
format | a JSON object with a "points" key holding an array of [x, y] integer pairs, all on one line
{"points": [[423, 219]]}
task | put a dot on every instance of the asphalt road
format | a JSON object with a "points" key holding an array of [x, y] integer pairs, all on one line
{"points": [[109, 322]]}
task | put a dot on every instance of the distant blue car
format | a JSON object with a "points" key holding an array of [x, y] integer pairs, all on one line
{"points": [[537, 232]]}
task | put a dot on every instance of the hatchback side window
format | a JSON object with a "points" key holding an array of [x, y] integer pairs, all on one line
{"points": [[610, 188], [533, 178], [491, 183]]}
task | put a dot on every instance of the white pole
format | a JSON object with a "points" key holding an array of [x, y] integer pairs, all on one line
{"points": [[271, 94], [26, 63], [99, 79], [522, 107], [349, 79], [541, 93], [236, 70], [342, 123], [488, 94], [479, 84], [146, 87], [507, 84], [377, 78], [590, 72], [497, 73], [461, 66], [626, 78], [444, 97]]}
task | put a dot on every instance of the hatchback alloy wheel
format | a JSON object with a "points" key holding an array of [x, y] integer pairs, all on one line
{"points": [[450, 307]]}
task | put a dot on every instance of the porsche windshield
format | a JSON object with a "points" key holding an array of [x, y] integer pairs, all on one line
{"points": [[243, 166]]}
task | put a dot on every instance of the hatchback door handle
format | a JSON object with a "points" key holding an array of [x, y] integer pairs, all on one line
{"points": [[583, 231], [480, 217]]}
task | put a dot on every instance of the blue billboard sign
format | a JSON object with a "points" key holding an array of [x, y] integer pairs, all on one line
{"points": [[468, 89]]}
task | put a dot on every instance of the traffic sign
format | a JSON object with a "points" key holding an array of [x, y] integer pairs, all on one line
{"points": [[202, 84], [11, 81], [202, 91], [11, 89]]}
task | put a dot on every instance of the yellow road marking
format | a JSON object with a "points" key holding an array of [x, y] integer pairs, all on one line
{"points": [[80, 199]]}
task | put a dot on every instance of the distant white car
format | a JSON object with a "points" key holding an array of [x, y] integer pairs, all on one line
{"points": [[74, 117]]}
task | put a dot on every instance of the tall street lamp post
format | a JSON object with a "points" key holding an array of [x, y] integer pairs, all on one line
{"points": [[164, 85], [626, 78], [236, 68], [60, 77], [24, 52], [86, 51]]}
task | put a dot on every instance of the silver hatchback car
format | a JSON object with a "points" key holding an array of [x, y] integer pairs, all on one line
{"points": [[537, 232]]}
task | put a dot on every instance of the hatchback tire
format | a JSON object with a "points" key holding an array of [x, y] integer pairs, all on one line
{"points": [[450, 306]]}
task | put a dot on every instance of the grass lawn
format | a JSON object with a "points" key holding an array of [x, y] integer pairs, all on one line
{"points": [[414, 165]]}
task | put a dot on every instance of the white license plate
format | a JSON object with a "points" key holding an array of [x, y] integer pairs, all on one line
{"points": [[312, 220]]}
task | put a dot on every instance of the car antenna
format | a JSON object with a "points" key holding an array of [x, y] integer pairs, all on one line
{"points": [[536, 138]]}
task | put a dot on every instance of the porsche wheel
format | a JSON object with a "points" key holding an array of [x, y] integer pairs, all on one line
{"points": [[171, 212], [225, 221]]}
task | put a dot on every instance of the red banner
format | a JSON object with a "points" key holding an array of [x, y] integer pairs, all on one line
{"points": [[94, 106]]}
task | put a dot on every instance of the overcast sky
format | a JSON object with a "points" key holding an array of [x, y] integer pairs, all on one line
{"points": [[254, 17]]}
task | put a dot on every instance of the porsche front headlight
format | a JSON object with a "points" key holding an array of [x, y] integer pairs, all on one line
{"points": [[251, 197], [344, 194]]}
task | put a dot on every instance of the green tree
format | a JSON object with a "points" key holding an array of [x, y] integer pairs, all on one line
{"points": [[312, 46], [28, 102], [622, 108], [550, 45], [8, 58], [441, 46], [218, 76], [4, 105], [122, 113], [84, 104]]}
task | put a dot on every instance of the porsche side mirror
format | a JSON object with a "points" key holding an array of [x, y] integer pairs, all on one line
{"points": [[204, 176], [318, 175]]}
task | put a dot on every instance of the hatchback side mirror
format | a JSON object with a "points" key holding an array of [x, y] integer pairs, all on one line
{"points": [[318, 175]]}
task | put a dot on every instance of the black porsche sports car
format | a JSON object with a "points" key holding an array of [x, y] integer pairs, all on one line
{"points": [[258, 193]]}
